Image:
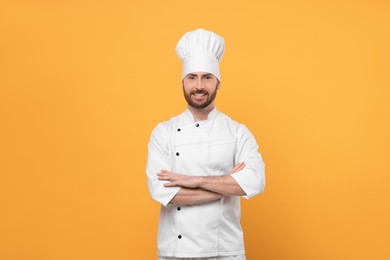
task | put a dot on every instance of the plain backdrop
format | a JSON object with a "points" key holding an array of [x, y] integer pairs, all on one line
{"points": [[83, 83]]}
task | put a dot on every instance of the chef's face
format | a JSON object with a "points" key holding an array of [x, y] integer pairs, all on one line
{"points": [[200, 89]]}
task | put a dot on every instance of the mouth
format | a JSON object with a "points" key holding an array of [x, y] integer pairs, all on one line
{"points": [[199, 96], [199, 93]]}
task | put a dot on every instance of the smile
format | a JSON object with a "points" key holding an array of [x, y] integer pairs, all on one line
{"points": [[199, 94]]}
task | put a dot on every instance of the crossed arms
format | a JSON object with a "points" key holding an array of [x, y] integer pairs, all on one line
{"points": [[167, 187], [202, 189]]}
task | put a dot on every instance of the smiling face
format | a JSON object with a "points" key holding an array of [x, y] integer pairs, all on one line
{"points": [[200, 89]]}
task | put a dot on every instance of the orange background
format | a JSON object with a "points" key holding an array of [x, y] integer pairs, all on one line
{"points": [[83, 83]]}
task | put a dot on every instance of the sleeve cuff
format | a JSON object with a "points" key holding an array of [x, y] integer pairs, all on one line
{"points": [[250, 181], [164, 195]]}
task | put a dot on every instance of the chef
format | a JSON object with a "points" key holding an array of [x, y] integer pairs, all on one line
{"points": [[201, 162]]}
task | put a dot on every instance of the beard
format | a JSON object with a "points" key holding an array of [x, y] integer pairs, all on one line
{"points": [[200, 104]]}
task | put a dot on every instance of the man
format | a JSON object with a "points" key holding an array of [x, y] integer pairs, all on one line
{"points": [[200, 163]]}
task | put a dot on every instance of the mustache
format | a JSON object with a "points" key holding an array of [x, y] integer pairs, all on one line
{"points": [[199, 91]]}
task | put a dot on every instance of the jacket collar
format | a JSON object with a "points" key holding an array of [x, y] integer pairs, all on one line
{"points": [[213, 113]]}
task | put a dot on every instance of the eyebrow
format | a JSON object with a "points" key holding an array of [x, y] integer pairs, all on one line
{"points": [[204, 75]]}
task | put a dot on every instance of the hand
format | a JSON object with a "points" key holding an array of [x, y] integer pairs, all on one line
{"points": [[238, 167], [180, 180]]}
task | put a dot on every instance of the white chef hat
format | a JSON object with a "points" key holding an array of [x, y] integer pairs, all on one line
{"points": [[200, 51]]}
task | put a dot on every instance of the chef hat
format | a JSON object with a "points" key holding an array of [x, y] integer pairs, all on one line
{"points": [[200, 51]]}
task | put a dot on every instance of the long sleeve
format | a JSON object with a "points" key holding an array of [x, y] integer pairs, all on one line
{"points": [[158, 159], [252, 177]]}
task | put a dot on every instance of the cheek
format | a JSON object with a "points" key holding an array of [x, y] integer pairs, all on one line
{"points": [[212, 87], [188, 87]]}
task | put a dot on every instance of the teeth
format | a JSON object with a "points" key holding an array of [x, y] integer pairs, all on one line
{"points": [[199, 95]]}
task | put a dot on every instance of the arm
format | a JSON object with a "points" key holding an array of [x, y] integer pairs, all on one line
{"points": [[252, 178], [221, 185], [187, 196], [244, 180], [225, 185], [158, 158]]}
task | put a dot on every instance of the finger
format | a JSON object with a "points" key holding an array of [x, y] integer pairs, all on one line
{"points": [[169, 184], [163, 177], [165, 174], [242, 166], [166, 171], [237, 166]]}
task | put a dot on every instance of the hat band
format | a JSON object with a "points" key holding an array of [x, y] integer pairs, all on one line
{"points": [[201, 63]]}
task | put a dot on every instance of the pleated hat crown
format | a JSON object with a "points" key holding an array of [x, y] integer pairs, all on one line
{"points": [[200, 51]]}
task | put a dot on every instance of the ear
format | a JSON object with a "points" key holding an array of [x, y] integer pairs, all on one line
{"points": [[219, 85]]}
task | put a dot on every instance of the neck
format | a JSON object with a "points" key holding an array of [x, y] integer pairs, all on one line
{"points": [[201, 113]]}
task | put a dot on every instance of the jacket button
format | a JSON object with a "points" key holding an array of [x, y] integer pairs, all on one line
{"points": [[179, 236], [178, 129], [197, 125], [177, 154], [178, 208]]}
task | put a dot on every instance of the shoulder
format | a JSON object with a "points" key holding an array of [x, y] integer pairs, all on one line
{"points": [[163, 128], [238, 128]]}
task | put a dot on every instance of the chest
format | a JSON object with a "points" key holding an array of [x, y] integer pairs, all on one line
{"points": [[208, 149]]}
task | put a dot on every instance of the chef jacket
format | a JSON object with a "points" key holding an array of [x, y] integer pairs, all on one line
{"points": [[210, 147]]}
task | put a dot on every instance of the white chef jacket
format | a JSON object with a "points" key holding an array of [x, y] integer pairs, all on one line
{"points": [[204, 148]]}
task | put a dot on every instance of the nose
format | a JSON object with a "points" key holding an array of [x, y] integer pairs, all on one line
{"points": [[199, 83]]}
